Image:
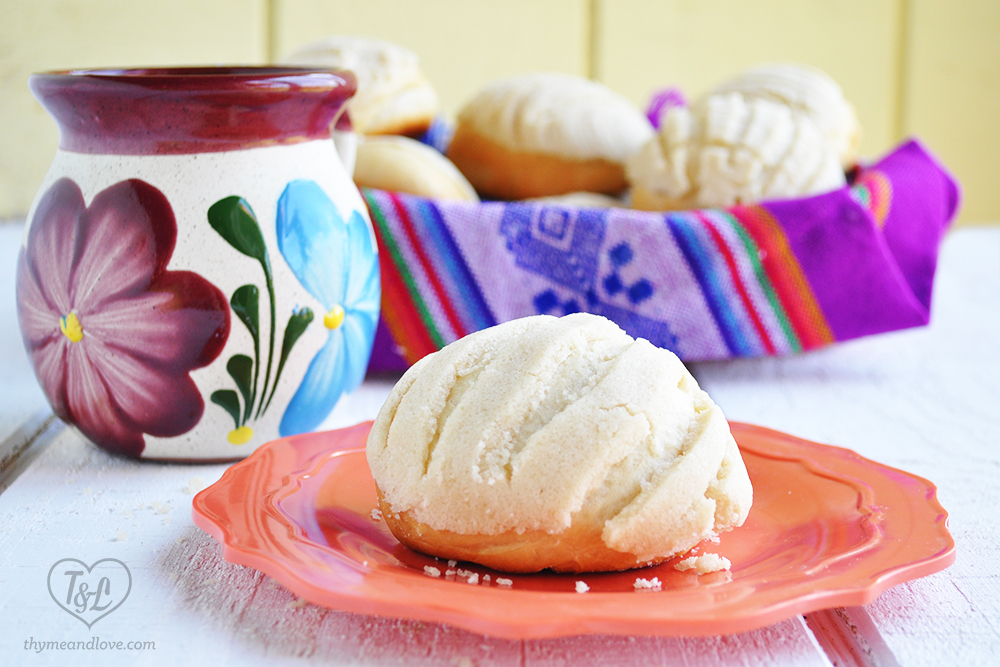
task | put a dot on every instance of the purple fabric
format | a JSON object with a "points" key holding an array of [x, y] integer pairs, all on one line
{"points": [[385, 355], [684, 280], [925, 198], [870, 280]]}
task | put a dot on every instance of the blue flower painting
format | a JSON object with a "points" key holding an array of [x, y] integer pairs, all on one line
{"points": [[336, 261]]}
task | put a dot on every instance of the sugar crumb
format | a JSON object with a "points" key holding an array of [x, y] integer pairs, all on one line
{"points": [[647, 584], [704, 564], [297, 603], [432, 571], [194, 485], [473, 578], [120, 536], [582, 587], [376, 514], [505, 582]]}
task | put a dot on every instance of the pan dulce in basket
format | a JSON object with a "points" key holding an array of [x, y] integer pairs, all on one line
{"points": [[742, 224]]}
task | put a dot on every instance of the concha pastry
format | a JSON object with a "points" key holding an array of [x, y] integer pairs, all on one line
{"points": [[393, 95], [401, 164], [546, 134], [728, 149], [558, 443], [808, 91]]}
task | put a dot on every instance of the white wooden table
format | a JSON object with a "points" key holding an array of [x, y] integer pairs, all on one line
{"points": [[925, 400]]}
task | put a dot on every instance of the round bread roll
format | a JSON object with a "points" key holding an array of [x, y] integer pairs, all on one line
{"points": [[555, 443], [808, 91], [401, 164], [581, 200], [545, 134], [732, 149], [393, 95]]}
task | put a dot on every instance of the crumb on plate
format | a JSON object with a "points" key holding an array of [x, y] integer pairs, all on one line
{"points": [[704, 563]]}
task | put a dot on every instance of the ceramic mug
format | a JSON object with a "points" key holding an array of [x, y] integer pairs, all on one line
{"points": [[198, 273]]}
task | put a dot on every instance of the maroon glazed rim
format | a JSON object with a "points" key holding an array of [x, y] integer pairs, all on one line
{"points": [[179, 110]]}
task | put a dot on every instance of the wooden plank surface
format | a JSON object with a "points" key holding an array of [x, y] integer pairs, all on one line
{"points": [[462, 45], [74, 34], [923, 400], [78, 502], [952, 66], [641, 46], [927, 401]]}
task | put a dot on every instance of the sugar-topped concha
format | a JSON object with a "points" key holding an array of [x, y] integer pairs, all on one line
{"points": [[555, 443], [730, 148], [808, 91], [393, 96], [544, 134]]}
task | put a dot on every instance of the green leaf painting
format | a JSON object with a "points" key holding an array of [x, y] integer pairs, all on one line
{"points": [[235, 221], [296, 326], [240, 368], [228, 399]]}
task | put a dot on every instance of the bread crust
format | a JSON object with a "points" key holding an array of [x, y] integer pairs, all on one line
{"points": [[393, 95], [642, 199], [414, 126], [579, 548], [401, 164], [498, 172], [555, 443]]}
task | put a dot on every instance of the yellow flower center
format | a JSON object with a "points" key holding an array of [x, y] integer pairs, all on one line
{"points": [[70, 326], [334, 318], [240, 436]]}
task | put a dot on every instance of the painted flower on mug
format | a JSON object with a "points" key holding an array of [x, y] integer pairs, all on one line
{"points": [[337, 263], [113, 335]]}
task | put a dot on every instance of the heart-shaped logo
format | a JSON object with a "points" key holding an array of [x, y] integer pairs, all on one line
{"points": [[89, 592]]}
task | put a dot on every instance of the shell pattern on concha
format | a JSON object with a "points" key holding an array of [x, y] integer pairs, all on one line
{"points": [[392, 89], [807, 91], [558, 114], [542, 423], [729, 149]]}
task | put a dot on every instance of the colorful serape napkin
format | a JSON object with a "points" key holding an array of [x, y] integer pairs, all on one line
{"points": [[775, 278]]}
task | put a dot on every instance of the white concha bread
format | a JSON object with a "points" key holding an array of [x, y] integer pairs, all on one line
{"points": [[393, 96], [558, 443], [545, 134], [809, 91], [732, 149], [401, 164]]}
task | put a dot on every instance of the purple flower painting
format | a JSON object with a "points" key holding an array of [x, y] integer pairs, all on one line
{"points": [[112, 334]]}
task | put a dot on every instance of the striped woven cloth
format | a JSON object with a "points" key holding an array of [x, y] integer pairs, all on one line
{"points": [[776, 278]]}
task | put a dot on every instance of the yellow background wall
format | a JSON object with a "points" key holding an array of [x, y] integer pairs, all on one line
{"points": [[929, 68]]}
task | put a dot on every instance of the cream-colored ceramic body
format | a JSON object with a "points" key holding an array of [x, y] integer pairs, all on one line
{"points": [[192, 183]]}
